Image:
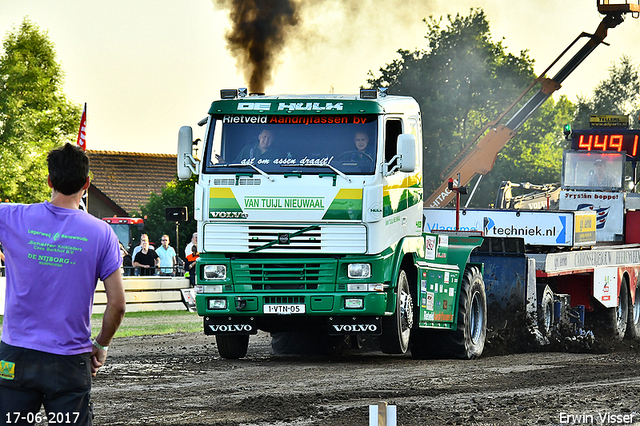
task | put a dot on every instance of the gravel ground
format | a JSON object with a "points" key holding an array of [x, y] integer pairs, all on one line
{"points": [[180, 379]]}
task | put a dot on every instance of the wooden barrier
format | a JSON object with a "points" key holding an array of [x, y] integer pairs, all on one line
{"points": [[146, 294]]}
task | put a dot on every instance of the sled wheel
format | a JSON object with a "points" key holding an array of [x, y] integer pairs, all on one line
{"points": [[396, 329], [611, 323], [232, 346], [545, 312], [633, 323]]}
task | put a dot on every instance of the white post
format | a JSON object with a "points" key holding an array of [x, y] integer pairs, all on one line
{"points": [[382, 415]]}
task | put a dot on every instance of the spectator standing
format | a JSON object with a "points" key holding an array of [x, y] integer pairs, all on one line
{"points": [[146, 259], [47, 354], [191, 265], [137, 248], [194, 242], [167, 256]]}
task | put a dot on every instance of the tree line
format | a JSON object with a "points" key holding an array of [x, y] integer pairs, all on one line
{"points": [[462, 80]]}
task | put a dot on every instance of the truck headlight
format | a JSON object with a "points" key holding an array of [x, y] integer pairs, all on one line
{"points": [[217, 304], [215, 272], [359, 270]]}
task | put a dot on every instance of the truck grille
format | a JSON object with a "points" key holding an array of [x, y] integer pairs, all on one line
{"points": [[245, 237], [283, 275], [260, 235]]}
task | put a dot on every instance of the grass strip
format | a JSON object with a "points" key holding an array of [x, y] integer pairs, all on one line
{"points": [[150, 323]]}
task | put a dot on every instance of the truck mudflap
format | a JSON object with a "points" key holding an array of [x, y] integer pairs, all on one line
{"points": [[340, 326], [230, 325]]}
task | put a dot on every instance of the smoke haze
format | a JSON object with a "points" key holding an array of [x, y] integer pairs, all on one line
{"points": [[261, 31]]}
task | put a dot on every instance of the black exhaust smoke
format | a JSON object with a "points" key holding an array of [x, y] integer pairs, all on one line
{"points": [[258, 34]]}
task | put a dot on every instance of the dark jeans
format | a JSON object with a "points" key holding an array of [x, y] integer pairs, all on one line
{"points": [[29, 379]]}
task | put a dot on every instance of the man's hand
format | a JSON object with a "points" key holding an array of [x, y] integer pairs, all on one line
{"points": [[98, 357]]}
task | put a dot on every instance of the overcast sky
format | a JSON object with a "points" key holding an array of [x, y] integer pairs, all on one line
{"points": [[147, 67]]}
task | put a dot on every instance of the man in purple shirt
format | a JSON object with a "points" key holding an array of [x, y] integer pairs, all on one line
{"points": [[55, 254]]}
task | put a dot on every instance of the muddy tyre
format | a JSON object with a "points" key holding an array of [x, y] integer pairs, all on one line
{"points": [[232, 347], [467, 342], [610, 324], [633, 320], [545, 312], [396, 329]]}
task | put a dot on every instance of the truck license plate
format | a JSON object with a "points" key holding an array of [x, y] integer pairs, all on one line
{"points": [[284, 309]]}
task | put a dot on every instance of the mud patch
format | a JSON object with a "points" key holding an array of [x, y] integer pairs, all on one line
{"points": [[181, 380]]}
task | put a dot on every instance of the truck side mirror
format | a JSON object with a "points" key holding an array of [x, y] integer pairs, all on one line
{"points": [[407, 152], [186, 163]]}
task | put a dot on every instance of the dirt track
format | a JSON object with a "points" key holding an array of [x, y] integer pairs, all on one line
{"points": [[180, 379]]}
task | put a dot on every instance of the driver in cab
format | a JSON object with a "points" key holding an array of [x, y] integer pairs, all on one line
{"points": [[600, 177], [261, 150], [361, 140]]}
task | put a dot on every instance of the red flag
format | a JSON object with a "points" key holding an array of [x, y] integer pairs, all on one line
{"points": [[82, 136]]}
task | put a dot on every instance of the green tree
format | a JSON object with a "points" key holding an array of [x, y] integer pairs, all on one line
{"points": [[176, 194], [35, 115], [619, 94], [462, 81], [534, 155]]}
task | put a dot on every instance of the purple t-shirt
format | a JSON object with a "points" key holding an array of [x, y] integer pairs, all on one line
{"points": [[54, 258]]}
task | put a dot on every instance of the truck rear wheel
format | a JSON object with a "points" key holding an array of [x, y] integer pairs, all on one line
{"points": [[232, 346], [396, 329], [467, 342], [633, 323]]}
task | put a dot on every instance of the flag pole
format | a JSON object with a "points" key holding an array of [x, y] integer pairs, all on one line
{"points": [[82, 143]]}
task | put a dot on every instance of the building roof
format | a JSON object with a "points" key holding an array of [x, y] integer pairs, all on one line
{"points": [[128, 178]]}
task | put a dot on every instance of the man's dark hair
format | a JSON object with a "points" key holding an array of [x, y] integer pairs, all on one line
{"points": [[68, 168]]}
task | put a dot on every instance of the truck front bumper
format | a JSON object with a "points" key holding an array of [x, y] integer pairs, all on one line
{"points": [[292, 304]]}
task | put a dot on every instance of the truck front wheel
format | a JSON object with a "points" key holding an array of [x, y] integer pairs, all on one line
{"points": [[232, 346], [396, 329]]}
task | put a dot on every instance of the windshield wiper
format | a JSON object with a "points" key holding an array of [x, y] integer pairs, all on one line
{"points": [[245, 165], [336, 171], [277, 240]]}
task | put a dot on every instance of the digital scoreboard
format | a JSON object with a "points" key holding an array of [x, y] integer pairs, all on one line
{"points": [[607, 139]]}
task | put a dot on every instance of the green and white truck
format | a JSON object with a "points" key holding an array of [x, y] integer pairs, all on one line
{"points": [[310, 219]]}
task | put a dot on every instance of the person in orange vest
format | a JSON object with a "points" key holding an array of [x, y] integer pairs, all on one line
{"points": [[191, 265]]}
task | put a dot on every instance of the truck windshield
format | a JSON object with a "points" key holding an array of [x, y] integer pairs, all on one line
{"points": [[276, 143], [593, 170]]}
